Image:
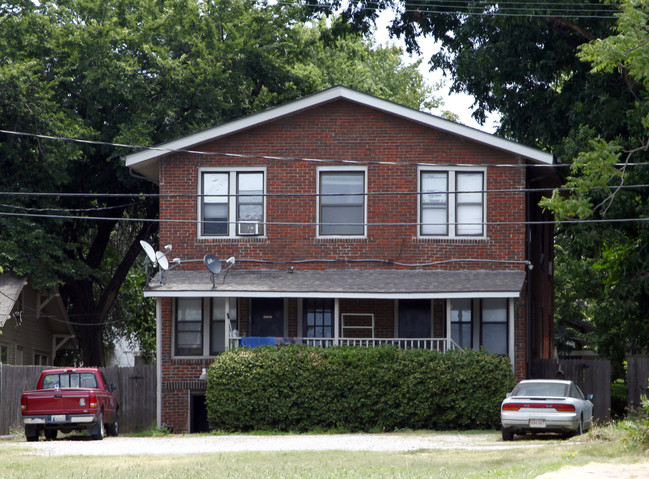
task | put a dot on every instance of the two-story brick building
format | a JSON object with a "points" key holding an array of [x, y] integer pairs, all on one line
{"points": [[351, 220]]}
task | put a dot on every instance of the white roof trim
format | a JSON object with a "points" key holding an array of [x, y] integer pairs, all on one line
{"points": [[152, 293], [332, 94]]}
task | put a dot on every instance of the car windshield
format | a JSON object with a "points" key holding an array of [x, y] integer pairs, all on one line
{"points": [[69, 380], [541, 389]]}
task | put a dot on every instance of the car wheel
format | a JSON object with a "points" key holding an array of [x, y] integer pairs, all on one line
{"points": [[579, 431], [113, 429], [31, 433], [101, 429], [508, 435], [50, 434]]}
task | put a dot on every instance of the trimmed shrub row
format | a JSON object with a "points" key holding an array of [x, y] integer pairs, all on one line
{"points": [[301, 388]]}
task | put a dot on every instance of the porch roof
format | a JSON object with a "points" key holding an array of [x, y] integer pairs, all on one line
{"points": [[369, 284], [10, 288]]}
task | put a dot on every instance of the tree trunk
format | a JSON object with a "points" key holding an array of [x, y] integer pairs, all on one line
{"points": [[88, 313]]}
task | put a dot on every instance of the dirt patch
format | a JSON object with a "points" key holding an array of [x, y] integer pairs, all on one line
{"points": [[595, 470]]}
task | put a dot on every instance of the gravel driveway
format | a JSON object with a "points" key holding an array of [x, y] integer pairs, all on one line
{"points": [[191, 444], [117, 446]]}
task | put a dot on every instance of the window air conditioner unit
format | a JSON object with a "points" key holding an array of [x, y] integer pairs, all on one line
{"points": [[249, 228]]}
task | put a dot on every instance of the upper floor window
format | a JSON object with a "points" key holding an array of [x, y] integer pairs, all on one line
{"points": [[452, 202], [341, 202], [232, 203]]}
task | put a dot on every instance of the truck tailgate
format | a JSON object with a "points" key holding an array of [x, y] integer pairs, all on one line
{"points": [[63, 401]]}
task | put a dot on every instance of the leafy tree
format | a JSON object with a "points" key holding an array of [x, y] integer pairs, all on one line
{"points": [[619, 258], [135, 72], [358, 63]]}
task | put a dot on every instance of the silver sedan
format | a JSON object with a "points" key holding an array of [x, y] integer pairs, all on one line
{"points": [[546, 405]]}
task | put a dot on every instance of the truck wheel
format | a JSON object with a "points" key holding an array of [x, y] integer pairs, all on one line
{"points": [[50, 434], [113, 429], [101, 430], [31, 433]]}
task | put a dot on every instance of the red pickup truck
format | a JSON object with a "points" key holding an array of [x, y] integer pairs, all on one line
{"points": [[70, 400]]}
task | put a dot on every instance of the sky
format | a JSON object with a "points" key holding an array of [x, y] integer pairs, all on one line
{"points": [[460, 104]]}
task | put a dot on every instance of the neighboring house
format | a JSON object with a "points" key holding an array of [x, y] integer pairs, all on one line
{"points": [[352, 220], [34, 325]]}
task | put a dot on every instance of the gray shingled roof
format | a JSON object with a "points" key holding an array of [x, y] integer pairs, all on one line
{"points": [[10, 288], [340, 284]]}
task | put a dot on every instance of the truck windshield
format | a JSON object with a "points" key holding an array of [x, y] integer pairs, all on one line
{"points": [[69, 380]]}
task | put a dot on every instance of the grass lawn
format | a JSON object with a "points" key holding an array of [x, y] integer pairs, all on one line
{"points": [[543, 455]]}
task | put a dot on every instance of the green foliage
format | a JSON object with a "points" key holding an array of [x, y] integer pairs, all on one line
{"points": [[300, 388], [358, 63], [637, 430], [137, 73]]}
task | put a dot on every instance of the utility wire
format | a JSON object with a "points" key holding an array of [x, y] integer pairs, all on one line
{"points": [[298, 223], [296, 195], [209, 154], [493, 9]]}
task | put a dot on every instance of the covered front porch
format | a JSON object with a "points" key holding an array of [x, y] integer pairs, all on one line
{"points": [[435, 310], [324, 322]]}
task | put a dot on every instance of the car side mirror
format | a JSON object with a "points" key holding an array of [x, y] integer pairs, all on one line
{"points": [[590, 397], [508, 395], [112, 387]]}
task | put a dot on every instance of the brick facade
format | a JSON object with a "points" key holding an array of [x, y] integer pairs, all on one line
{"points": [[391, 149]]}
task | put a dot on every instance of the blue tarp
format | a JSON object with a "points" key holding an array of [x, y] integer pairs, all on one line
{"points": [[257, 341]]}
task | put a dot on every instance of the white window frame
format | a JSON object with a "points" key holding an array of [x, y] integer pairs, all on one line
{"points": [[207, 323], [452, 203], [477, 322], [337, 169], [233, 221]]}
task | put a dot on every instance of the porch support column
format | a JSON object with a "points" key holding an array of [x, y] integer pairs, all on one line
{"points": [[336, 321], [511, 327], [447, 311]]}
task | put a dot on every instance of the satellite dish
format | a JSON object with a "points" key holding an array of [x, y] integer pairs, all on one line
{"points": [[162, 260], [150, 252], [213, 263]]}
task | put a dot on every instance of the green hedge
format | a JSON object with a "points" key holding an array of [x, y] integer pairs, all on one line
{"points": [[302, 388]]}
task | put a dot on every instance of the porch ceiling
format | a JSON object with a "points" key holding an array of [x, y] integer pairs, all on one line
{"points": [[374, 284]]}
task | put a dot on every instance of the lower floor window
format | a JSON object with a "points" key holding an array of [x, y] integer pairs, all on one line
{"points": [[202, 325], [494, 333], [462, 322], [189, 327], [318, 318], [481, 323]]}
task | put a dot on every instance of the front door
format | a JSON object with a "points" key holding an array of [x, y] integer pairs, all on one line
{"points": [[267, 317], [414, 318]]}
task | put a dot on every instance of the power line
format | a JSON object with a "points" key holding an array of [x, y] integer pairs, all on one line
{"points": [[209, 154], [310, 223], [498, 9], [291, 195]]}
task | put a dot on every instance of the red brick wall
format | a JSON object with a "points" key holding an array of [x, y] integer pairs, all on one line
{"points": [[337, 131], [344, 131]]}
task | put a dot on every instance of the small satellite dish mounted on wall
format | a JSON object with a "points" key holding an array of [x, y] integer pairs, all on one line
{"points": [[213, 264]]}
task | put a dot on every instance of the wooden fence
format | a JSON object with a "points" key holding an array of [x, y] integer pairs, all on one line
{"points": [[592, 377], [637, 380], [136, 394]]}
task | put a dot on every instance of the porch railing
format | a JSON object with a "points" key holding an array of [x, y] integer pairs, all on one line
{"points": [[434, 344]]}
